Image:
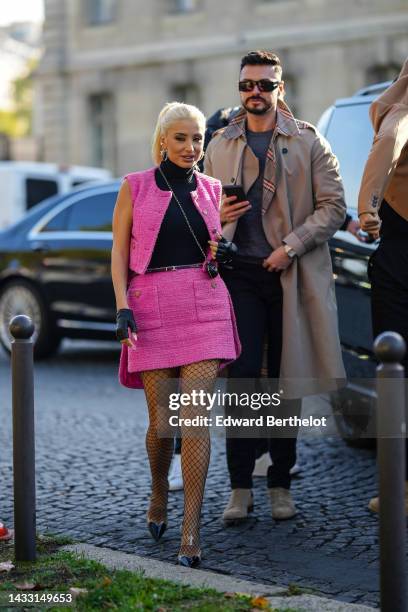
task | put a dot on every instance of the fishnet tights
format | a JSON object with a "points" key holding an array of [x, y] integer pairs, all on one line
{"points": [[157, 385], [195, 448]]}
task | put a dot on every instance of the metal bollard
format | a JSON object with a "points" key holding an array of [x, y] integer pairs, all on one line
{"points": [[389, 348], [22, 328]]}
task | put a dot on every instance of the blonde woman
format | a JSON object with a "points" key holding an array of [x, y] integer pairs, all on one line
{"points": [[177, 308]]}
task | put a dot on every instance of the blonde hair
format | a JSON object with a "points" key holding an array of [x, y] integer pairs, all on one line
{"points": [[173, 111]]}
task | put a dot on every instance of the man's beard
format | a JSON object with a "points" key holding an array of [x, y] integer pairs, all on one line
{"points": [[257, 110]]}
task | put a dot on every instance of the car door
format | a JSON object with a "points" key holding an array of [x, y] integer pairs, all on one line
{"points": [[350, 135], [73, 245]]}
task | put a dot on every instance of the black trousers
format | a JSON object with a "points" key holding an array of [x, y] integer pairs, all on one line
{"points": [[257, 299], [388, 273]]}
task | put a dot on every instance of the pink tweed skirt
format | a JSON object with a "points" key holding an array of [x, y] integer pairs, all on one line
{"points": [[183, 316]]}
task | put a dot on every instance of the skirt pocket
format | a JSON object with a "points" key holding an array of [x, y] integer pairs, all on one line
{"points": [[145, 305], [211, 300]]}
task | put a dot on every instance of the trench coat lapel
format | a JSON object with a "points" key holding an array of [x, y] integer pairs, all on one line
{"points": [[286, 126], [245, 169], [245, 159]]}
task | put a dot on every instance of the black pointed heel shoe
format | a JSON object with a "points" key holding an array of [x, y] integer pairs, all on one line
{"points": [[186, 561], [156, 529]]}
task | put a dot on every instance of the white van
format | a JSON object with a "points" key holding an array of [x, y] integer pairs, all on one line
{"points": [[24, 184]]}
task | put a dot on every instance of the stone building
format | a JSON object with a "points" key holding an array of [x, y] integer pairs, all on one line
{"points": [[109, 65]]}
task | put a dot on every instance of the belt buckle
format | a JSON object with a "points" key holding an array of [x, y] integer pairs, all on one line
{"points": [[172, 268]]}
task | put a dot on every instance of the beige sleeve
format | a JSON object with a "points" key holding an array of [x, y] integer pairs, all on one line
{"points": [[382, 160], [329, 204]]}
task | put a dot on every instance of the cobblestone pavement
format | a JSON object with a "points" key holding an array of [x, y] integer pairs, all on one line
{"points": [[93, 485]]}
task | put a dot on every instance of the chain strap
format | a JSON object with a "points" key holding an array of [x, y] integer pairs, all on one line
{"points": [[183, 213]]}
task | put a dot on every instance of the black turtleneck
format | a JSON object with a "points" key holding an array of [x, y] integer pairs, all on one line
{"points": [[175, 246]]}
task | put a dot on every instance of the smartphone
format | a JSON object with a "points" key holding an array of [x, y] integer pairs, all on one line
{"points": [[235, 190]]}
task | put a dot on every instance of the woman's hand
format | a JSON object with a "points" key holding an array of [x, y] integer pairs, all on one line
{"points": [[222, 250], [231, 212], [124, 321]]}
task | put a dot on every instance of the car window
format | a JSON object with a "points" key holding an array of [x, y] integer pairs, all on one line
{"points": [[38, 190], [57, 223], [350, 135], [92, 214]]}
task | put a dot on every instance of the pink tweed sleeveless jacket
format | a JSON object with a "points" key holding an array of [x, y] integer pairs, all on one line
{"points": [[183, 316], [150, 204]]}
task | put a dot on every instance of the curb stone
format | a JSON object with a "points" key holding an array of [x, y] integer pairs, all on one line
{"points": [[153, 568]]}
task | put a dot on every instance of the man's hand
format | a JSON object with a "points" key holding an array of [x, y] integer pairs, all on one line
{"points": [[355, 229], [353, 226], [277, 261], [231, 212], [370, 223]]}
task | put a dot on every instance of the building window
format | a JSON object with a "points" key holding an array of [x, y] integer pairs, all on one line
{"points": [[100, 12], [102, 130], [382, 72], [182, 6], [185, 92]]}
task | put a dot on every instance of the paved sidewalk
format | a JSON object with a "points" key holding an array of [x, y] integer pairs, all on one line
{"points": [[93, 484], [277, 596]]}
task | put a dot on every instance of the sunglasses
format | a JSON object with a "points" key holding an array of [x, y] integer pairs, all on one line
{"points": [[262, 84]]}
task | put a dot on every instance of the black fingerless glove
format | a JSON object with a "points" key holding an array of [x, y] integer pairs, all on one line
{"points": [[124, 320], [226, 251]]}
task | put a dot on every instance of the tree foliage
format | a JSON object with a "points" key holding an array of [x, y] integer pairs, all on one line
{"points": [[18, 122]]}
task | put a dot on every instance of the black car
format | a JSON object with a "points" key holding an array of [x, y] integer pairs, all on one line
{"points": [[347, 127], [55, 267]]}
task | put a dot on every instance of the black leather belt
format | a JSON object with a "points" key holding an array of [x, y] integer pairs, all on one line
{"points": [[170, 268]]}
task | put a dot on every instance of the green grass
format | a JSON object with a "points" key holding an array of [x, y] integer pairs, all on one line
{"points": [[56, 570], [294, 590]]}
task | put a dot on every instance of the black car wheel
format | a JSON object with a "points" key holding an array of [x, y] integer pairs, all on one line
{"points": [[21, 297], [354, 415]]}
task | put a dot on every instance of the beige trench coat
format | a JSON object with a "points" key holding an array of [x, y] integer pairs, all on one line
{"points": [[307, 208]]}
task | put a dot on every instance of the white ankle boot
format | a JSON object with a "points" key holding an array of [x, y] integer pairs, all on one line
{"points": [[239, 505], [282, 504]]}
